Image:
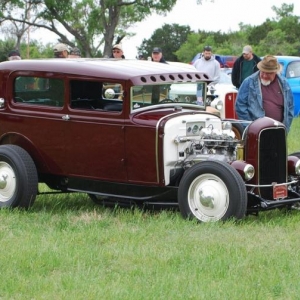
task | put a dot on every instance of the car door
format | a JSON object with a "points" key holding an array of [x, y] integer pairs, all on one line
{"points": [[94, 132]]}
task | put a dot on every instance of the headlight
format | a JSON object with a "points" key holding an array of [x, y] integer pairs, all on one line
{"points": [[297, 167], [293, 165], [247, 171], [219, 105]]}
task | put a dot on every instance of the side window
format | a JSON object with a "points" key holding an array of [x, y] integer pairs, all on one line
{"points": [[113, 97], [293, 70], [39, 91], [85, 94], [96, 95]]}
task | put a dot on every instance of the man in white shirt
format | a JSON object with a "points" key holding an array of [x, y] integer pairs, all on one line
{"points": [[208, 64], [14, 55]]}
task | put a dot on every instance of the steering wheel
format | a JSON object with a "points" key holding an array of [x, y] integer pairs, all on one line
{"points": [[166, 100]]}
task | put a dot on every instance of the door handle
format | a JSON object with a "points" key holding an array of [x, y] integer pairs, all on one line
{"points": [[66, 117]]}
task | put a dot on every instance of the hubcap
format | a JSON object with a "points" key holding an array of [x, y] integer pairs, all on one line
{"points": [[208, 198], [7, 182]]}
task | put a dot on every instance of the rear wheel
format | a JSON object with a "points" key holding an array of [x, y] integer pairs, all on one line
{"points": [[212, 191], [18, 177]]}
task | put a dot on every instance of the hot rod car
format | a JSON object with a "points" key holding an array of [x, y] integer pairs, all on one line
{"points": [[110, 127]]}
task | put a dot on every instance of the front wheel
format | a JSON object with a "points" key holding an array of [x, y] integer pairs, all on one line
{"points": [[212, 191], [18, 177]]}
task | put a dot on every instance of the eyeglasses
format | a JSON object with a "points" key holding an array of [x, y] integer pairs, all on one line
{"points": [[268, 74]]}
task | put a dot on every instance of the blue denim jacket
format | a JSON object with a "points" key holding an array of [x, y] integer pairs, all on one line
{"points": [[249, 104]]}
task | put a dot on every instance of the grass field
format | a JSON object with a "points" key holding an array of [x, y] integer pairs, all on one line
{"points": [[294, 136], [65, 247]]}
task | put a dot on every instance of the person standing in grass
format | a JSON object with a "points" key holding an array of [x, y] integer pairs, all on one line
{"points": [[266, 93], [244, 66]]}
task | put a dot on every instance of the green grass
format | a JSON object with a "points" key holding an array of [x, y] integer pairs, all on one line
{"points": [[65, 247], [294, 136]]}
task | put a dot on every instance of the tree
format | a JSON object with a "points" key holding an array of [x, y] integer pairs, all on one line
{"points": [[88, 24], [280, 35], [195, 43], [17, 29], [35, 49], [169, 38], [286, 10]]}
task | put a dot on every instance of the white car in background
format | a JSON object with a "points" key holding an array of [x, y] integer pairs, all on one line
{"points": [[221, 96]]}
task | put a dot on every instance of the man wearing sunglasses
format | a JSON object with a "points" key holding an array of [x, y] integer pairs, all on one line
{"points": [[117, 51]]}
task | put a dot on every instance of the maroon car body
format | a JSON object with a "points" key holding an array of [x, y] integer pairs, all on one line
{"points": [[109, 128]]}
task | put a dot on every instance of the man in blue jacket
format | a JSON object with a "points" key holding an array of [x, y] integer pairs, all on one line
{"points": [[266, 93]]}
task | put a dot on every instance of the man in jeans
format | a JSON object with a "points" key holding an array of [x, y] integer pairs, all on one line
{"points": [[266, 93]]}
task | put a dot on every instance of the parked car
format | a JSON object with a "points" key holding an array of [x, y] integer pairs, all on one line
{"points": [[291, 70], [229, 60], [220, 96], [226, 61], [107, 127]]}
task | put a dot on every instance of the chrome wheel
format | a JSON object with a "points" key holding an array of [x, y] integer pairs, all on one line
{"points": [[212, 191], [7, 182], [208, 198]]}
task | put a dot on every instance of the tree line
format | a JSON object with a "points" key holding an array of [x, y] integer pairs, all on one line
{"points": [[94, 26]]}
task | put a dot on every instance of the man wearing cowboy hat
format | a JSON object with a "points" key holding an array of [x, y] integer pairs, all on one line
{"points": [[266, 93]]}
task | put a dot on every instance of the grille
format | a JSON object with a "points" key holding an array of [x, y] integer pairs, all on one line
{"points": [[272, 159]]}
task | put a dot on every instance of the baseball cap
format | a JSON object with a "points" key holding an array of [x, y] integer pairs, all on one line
{"points": [[156, 50], [60, 47], [14, 53], [75, 51], [247, 49], [118, 46]]}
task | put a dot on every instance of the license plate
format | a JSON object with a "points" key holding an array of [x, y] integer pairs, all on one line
{"points": [[279, 191]]}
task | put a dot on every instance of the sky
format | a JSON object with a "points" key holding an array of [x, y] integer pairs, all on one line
{"points": [[221, 15]]}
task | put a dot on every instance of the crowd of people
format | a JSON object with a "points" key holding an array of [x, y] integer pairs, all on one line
{"points": [[262, 90]]}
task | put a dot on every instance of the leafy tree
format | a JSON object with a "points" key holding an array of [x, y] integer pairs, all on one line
{"points": [[259, 32], [89, 24], [280, 35], [286, 10], [34, 49], [196, 41], [14, 28], [169, 38]]}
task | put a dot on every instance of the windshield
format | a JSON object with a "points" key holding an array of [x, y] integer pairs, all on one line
{"points": [[185, 93]]}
